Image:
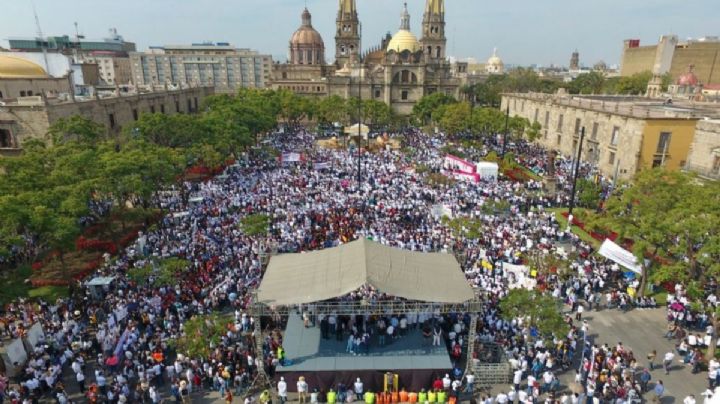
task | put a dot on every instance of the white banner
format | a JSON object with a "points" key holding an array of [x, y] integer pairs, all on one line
{"points": [[619, 255], [16, 352], [322, 165], [290, 157], [521, 276], [35, 334]]}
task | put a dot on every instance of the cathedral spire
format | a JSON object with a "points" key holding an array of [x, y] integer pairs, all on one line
{"points": [[433, 30], [347, 34], [405, 19], [347, 7]]}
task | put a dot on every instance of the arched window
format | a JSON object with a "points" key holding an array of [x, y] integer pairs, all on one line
{"points": [[438, 51]]}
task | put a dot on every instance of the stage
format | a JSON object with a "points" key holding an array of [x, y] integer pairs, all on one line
{"points": [[324, 362]]}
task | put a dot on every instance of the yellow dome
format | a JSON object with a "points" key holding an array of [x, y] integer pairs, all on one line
{"points": [[403, 40], [15, 67]]}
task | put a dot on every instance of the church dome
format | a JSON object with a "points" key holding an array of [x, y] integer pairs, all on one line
{"points": [[306, 34], [495, 64], [689, 78], [306, 44], [15, 67], [404, 39]]}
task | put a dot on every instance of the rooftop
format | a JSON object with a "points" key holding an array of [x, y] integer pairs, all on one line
{"points": [[629, 106]]}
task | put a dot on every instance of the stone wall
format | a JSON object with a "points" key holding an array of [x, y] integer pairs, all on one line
{"points": [[704, 156], [14, 88], [611, 153], [32, 121]]}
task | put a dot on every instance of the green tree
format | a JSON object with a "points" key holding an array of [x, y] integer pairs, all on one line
{"points": [[455, 118], [635, 84], [588, 83], [76, 129], [255, 224], [589, 193], [540, 310], [201, 335], [423, 110]]}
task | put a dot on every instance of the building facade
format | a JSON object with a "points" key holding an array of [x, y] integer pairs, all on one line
{"points": [[30, 117], [673, 56], [20, 77], [399, 70], [208, 64], [704, 157], [622, 134]]}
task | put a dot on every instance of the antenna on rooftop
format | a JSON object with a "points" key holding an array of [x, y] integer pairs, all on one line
{"points": [[41, 37]]}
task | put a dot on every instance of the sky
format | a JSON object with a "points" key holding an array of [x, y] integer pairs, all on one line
{"points": [[525, 32]]}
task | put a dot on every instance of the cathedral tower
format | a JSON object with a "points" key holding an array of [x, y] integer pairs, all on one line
{"points": [[433, 39], [347, 36]]}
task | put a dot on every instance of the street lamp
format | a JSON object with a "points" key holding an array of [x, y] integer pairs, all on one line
{"points": [[507, 122], [575, 174]]}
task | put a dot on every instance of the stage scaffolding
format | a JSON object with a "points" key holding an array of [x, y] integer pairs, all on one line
{"points": [[485, 373]]}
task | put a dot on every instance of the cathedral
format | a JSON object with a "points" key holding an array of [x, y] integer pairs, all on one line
{"points": [[399, 70]]}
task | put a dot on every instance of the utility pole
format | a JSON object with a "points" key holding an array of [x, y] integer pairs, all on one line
{"points": [[577, 171], [507, 122], [359, 125]]}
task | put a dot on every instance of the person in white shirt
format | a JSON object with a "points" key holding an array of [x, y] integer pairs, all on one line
{"points": [[667, 361], [282, 390], [689, 399], [302, 389], [358, 388], [501, 398], [446, 381], [470, 382]]}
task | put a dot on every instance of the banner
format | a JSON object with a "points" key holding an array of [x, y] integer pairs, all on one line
{"points": [[16, 352], [462, 176], [290, 157], [35, 334], [619, 255], [322, 165], [456, 164]]}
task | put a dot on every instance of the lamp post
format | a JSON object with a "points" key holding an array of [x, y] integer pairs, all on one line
{"points": [[507, 122], [359, 125], [575, 174]]}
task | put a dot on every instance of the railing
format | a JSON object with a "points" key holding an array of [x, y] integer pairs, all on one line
{"points": [[703, 171], [492, 367]]}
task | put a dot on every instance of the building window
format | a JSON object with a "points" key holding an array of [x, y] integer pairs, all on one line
{"points": [[1, 95], [30, 93], [177, 106], [135, 114], [611, 159], [560, 122], [577, 126], [152, 109], [537, 111], [377, 93], [111, 119], [615, 136], [22, 93], [404, 95], [5, 139], [189, 105], [162, 108], [196, 104], [663, 143], [593, 136], [547, 118], [559, 140]]}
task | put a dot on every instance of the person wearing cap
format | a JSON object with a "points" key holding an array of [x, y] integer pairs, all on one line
{"points": [[282, 390]]}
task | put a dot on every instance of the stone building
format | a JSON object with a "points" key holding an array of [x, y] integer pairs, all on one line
{"points": [[220, 65], [622, 134], [23, 78], [704, 156], [673, 56], [30, 117], [399, 70]]}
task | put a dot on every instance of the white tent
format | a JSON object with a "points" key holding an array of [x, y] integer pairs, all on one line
{"points": [[487, 170], [353, 130]]}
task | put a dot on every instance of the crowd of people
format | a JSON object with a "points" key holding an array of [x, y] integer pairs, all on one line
{"points": [[119, 348]]}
